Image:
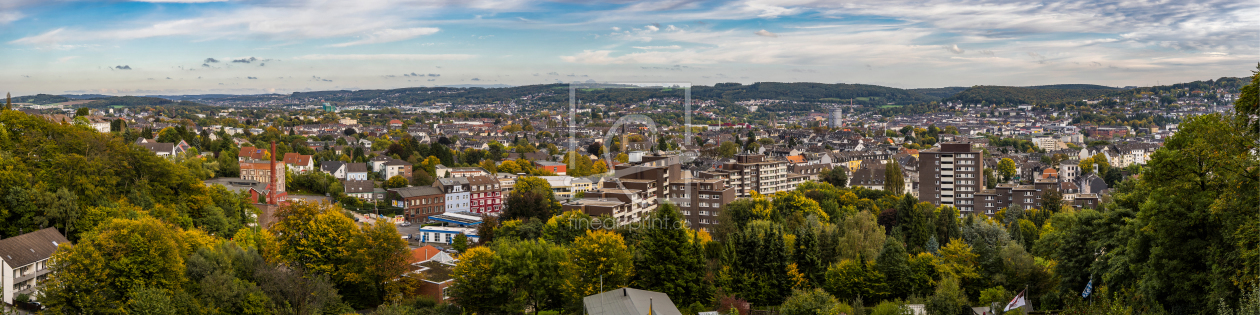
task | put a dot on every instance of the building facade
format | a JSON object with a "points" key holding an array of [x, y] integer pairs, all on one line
{"points": [[24, 262], [419, 203], [951, 174], [485, 194], [457, 193]]}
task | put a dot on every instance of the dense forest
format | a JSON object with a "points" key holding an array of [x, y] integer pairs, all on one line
{"points": [[41, 99], [1010, 95]]}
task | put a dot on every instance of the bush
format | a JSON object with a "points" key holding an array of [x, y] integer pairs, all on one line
{"points": [[728, 303], [890, 308], [816, 302], [949, 299], [995, 294]]}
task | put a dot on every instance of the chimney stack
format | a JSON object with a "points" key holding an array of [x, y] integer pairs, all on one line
{"points": [[272, 192]]}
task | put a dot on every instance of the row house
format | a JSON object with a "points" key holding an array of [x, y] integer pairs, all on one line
{"points": [[419, 203], [458, 194], [486, 194]]}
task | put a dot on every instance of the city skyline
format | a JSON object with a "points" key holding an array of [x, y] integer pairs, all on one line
{"points": [[282, 46]]}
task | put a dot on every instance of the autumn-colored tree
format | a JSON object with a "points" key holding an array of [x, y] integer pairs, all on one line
{"points": [[99, 274], [398, 181], [600, 257], [382, 255], [319, 238], [791, 202], [474, 275], [1006, 168]]}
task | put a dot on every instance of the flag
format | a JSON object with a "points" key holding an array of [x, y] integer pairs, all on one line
{"points": [[1017, 302], [1089, 288]]}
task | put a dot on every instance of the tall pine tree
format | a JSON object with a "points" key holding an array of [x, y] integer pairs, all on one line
{"points": [[668, 260]]}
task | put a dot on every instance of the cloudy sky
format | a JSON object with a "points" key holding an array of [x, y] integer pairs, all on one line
{"points": [[281, 46]]}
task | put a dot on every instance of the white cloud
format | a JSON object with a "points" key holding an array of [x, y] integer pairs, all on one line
{"points": [[954, 49], [390, 35], [179, 1], [7, 17], [66, 58], [386, 57], [658, 47], [766, 33]]}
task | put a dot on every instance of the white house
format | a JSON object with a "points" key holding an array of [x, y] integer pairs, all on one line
{"points": [[24, 262]]}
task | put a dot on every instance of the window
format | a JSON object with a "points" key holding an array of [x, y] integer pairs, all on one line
{"points": [[704, 213]]}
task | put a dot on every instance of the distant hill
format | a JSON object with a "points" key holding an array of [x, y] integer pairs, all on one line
{"points": [[1073, 87], [85, 96], [941, 92], [1011, 95], [137, 101], [41, 99]]}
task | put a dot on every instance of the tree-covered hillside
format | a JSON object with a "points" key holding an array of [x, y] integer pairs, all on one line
{"points": [[1010, 95], [40, 99]]}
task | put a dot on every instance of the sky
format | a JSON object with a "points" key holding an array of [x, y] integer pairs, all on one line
{"points": [[150, 47]]}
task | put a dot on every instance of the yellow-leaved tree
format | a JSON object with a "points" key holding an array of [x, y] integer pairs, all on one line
{"points": [[319, 238], [600, 254]]}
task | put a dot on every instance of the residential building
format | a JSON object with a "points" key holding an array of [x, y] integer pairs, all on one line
{"points": [[485, 194], [396, 167], [951, 174], [457, 193], [640, 203], [701, 200], [24, 262], [335, 168], [364, 190], [261, 171], [299, 163], [628, 301], [419, 203], [356, 171], [753, 172]]}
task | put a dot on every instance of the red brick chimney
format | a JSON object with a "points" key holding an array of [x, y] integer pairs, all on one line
{"points": [[271, 198]]}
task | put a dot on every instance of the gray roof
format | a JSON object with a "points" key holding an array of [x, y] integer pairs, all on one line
{"points": [[627, 301], [356, 168], [410, 192], [31, 247], [359, 186], [331, 166]]}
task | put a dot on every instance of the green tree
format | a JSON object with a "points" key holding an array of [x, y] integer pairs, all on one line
{"points": [[666, 239], [852, 279], [1052, 200], [893, 264], [529, 271], [837, 176], [460, 243], [474, 286], [894, 180], [949, 299], [727, 149], [531, 198], [813, 302], [82, 111]]}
